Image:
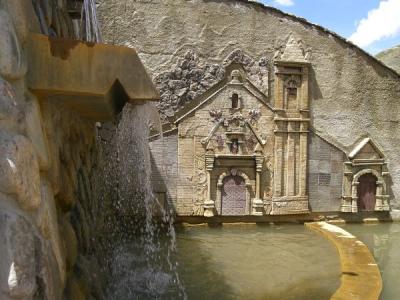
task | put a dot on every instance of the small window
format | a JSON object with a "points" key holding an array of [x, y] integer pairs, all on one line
{"points": [[235, 100], [234, 146]]}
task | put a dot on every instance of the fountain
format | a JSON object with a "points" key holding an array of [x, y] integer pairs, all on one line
{"points": [[81, 216]]}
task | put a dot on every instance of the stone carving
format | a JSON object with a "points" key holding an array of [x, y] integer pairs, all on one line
{"points": [[254, 115], [201, 186], [251, 142], [192, 76], [293, 51], [257, 71], [216, 114]]}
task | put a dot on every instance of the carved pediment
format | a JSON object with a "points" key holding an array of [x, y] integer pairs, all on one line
{"points": [[366, 150], [293, 51]]}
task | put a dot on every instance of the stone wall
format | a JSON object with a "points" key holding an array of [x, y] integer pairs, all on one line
{"points": [[325, 175], [352, 95], [164, 167], [48, 158]]}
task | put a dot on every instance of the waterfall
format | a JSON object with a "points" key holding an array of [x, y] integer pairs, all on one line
{"points": [[139, 252]]}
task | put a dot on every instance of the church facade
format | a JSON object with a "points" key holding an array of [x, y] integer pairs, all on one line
{"points": [[245, 147]]}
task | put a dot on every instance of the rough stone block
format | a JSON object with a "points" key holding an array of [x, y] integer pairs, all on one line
{"points": [[24, 18], [19, 170], [17, 263], [12, 60], [70, 242], [36, 133], [48, 224], [11, 115]]}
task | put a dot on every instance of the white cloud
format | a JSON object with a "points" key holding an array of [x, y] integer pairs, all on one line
{"points": [[284, 2], [381, 22]]}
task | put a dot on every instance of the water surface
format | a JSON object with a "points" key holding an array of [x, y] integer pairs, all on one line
{"points": [[256, 262]]}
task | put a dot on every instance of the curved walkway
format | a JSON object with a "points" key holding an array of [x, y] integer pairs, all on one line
{"points": [[361, 278]]}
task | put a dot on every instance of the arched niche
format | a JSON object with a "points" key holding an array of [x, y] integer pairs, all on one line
{"points": [[365, 158]]}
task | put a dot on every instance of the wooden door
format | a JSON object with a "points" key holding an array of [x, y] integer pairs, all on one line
{"points": [[366, 193], [233, 196]]}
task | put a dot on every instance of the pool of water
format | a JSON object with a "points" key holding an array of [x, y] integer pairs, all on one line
{"points": [[256, 262], [383, 240]]}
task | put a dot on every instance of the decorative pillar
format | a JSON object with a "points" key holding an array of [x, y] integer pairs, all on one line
{"points": [[347, 188], [290, 161], [303, 159], [209, 204], [354, 197], [258, 204], [280, 128]]}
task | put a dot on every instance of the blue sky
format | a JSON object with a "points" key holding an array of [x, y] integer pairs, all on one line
{"points": [[374, 25]]}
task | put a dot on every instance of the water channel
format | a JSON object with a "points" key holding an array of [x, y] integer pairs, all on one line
{"points": [[383, 240]]}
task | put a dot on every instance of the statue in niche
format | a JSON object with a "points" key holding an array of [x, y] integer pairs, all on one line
{"points": [[235, 146], [292, 84]]}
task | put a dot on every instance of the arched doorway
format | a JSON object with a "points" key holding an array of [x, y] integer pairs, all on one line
{"points": [[366, 192], [233, 196]]}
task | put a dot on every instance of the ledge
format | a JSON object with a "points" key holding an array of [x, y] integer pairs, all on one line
{"points": [[361, 278], [94, 80]]}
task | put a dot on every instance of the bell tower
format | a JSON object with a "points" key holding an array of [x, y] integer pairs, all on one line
{"points": [[290, 195]]}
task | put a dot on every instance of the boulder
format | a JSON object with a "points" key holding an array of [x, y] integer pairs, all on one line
{"points": [[17, 263], [24, 18], [11, 115], [47, 221], [12, 61], [19, 170], [70, 242], [36, 133]]}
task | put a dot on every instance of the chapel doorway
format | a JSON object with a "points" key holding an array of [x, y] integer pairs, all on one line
{"points": [[366, 192], [233, 196]]}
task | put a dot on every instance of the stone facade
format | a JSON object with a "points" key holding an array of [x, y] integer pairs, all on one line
{"points": [[349, 96]]}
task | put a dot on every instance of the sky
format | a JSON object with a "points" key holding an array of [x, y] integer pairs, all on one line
{"points": [[373, 25]]}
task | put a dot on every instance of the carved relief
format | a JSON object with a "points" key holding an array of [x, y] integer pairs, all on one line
{"points": [[200, 180], [192, 76], [293, 51]]}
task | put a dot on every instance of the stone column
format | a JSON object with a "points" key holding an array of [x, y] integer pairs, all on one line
{"points": [[278, 153], [303, 159], [258, 204], [290, 161], [209, 204], [347, 188]]}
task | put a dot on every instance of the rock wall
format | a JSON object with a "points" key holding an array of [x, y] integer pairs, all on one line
{"points": [[352, 94], [48, 162]]}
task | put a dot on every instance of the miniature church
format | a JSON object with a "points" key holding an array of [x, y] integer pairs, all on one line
{"points": [[245, 148]]}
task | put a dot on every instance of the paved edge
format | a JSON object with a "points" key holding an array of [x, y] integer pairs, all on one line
{"points": [[360, 278]]}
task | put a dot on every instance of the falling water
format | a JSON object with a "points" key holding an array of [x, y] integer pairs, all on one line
{"points": [[139, 260], [90, 24]]}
